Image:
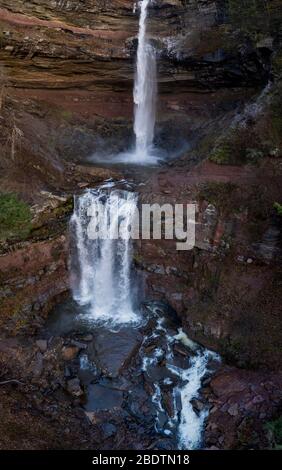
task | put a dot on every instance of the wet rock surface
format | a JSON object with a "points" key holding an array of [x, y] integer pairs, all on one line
{"points": [[113, 351], [127, 395], [139, 408]]}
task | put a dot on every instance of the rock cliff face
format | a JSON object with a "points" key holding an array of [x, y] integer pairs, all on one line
{"points": [[226, 288], [66, 78], [70, 65], [50, 39], [31, 279]]}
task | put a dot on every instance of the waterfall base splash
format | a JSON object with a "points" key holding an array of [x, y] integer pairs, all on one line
{"points": [[132, 157], [146, 157]]}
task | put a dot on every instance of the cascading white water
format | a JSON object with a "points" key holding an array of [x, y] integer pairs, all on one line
{"points": [[191, 424], [101, 266], [144, 96], [145, 89], [187, 424]]}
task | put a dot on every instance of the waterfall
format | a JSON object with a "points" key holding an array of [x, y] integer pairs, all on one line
{"points": [[145, 90], [101, 266], [144, 96]]}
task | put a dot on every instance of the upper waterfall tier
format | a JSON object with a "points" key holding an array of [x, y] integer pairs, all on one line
{"points": [[145, 89]]}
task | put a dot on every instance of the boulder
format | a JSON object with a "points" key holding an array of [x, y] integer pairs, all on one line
{"points": [[69, 352], [74, 388], [233, 410], [42, 345]]}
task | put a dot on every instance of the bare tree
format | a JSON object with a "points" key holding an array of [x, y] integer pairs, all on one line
{"points": [[15, 138], [2, 87]]}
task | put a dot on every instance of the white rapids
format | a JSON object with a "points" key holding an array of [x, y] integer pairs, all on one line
{"points": [[186, 424]]}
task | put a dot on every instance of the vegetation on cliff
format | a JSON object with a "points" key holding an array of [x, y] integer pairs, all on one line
{"points": [[15, 217], [256, 18], [275, 432], [278, 208]]}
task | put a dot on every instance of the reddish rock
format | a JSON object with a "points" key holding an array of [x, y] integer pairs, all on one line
{"points": [[228, 383], [69, 352], [74, 388], [241, 403], [34, 275]]}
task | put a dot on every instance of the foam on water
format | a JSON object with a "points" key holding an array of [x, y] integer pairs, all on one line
{"points": [[187, 424]]}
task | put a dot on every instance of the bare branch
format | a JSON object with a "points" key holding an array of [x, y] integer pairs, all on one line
{"points": [[11, 381]]}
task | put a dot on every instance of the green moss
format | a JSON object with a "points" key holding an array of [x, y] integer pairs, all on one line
{"points": [[56, 252], [21, 324], [278, 208], [67, 115], [15, 217], [240, 146], [64, 209], [235, 352], [221, 155], [275, 428], [137, 259], [15, 431], [212, 280]]}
